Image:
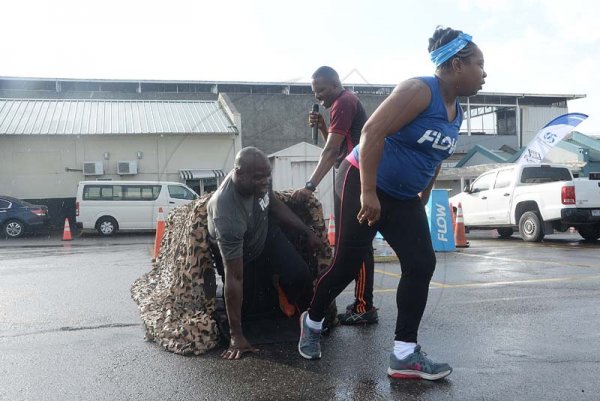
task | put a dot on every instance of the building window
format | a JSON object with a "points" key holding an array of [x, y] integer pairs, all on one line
{"points": [[204, 185]]}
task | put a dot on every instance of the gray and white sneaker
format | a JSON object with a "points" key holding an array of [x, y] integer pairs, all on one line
{"points": [[309, 345], [417, 366]]}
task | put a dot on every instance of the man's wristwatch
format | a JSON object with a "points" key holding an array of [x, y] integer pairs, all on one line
{"points": [[310, 186]]}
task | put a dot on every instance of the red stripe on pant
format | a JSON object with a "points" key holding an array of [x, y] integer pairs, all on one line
{"points": [[359, 289]]}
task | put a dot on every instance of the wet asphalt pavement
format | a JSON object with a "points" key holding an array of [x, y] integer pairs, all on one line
{"points": [[516, 321]]}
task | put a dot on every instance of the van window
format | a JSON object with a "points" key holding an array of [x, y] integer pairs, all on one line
{"points": [[140, 192], [179, 192], [4, 204], [147, 193], [121, 192], [98, 192]]}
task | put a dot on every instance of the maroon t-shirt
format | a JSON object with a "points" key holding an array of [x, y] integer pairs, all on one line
{"points": [[347, 118]]}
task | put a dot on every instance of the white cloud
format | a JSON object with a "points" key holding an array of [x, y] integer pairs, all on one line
{"points": [[535, 46]]}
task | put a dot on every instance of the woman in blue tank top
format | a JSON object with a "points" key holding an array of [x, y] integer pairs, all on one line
{"points": [[387, 181]]}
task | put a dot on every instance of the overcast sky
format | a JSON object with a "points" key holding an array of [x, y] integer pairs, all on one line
{"points": [[530, 46]]}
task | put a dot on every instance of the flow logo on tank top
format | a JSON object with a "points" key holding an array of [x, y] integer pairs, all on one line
{"points": [[264, 202], [438, 141]]}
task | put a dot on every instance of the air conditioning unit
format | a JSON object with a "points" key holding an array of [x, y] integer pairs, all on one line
{"points": [[127, 167], [93, 168]]}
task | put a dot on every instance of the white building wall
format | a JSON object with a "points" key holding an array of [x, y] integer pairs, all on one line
{"points": [[51, 166], [534, 118], [292, 172]]}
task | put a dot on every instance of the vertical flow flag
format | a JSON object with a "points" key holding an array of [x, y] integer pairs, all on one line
{"points": [[549, 136]]}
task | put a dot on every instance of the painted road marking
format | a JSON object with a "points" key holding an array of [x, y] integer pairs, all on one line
{"points": [[436, 285], [548, 262], [396, 275], [500, 283]]}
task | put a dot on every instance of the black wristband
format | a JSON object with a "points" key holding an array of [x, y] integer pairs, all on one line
{"points": [[310, 186]]}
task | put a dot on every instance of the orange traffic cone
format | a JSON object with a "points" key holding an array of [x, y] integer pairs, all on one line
{"points": [[160, 229], [331, 230], [67, 231], [460, 238]]}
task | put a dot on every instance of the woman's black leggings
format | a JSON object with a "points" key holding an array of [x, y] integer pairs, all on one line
{"points": [[403, 224]]}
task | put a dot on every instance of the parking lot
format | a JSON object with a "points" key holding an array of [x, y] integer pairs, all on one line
{"points": [[516, 320]]}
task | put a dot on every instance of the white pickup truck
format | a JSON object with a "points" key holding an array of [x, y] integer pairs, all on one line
{"points": [[535, 199]]}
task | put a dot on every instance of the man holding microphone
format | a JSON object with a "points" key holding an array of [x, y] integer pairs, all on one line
{"points": [[347, 118]]}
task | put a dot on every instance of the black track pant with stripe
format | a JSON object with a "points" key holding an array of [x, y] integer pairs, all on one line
{"points": [[363, 288], [404, 226]]}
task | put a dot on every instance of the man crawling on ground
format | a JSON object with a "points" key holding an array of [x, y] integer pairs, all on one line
{"points": [[244, 219]]}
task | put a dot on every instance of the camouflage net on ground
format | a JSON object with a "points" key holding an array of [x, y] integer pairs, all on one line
{"points": [[177, 297]]}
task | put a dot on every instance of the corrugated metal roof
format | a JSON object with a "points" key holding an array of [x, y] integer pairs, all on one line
{"points": [[302, 82], [66, 117]]}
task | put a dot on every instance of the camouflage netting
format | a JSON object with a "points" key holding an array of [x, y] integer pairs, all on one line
{"points": [[177, 297]]}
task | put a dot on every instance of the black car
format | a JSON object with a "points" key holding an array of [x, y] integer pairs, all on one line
{"points": [[18, 217]]}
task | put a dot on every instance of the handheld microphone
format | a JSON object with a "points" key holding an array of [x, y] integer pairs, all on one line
{"points": [[315, 127]]}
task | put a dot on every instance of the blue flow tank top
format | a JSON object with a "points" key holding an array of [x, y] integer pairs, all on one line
{"points": [[411, 155]]}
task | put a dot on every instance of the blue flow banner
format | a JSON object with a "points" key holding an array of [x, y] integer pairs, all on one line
{"points": [[440, 221]]}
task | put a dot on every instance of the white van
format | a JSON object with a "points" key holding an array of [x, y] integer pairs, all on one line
{"points": [[108, 206]]}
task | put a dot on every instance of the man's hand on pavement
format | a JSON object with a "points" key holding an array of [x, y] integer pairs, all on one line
{"points": [[238, 346]]}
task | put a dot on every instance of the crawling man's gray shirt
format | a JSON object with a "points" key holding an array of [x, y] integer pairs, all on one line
{"points": [[239, 224]]}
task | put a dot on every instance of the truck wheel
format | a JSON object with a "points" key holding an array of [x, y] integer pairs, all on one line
{"points": [[589, 232], [531, 227], [505, 232], [107, 226]]}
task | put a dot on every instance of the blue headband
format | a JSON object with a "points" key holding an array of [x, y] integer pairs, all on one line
{"points": [[442, 54]]}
